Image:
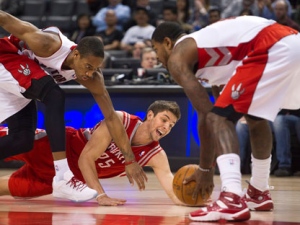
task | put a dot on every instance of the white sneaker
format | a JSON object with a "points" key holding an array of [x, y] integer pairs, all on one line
{"points": [[72, 189]]}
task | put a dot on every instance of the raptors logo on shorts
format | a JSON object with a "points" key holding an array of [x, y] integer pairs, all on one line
{"points": [[24, 70]]}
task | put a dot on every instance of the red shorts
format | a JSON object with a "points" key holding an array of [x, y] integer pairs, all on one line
{"points": [[35, 177]]}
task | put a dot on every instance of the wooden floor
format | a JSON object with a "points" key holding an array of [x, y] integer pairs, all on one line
{"points": [[149, 207]]}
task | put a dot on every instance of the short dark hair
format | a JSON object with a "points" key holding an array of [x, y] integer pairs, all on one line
{"points": [[91, 45], [162, 105], [171, 30]]}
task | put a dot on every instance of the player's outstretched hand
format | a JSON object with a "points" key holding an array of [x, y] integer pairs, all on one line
{"points": [[107, 201], [204, 183], [136, 173]]}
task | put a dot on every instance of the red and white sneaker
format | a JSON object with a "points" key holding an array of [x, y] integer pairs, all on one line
{"points": [[229, 207], [72, 189], [258, 200]]}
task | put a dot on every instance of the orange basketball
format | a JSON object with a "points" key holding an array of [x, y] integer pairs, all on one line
{"points": [[184, 192]]}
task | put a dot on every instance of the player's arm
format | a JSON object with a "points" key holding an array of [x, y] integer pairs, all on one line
{"points": [[41, 43], [161, 168], [115, 126], [94, 148], [180, 65]]}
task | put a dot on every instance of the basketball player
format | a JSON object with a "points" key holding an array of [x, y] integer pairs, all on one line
{"points": [[92, 155], [257, 60], [64, 61]]}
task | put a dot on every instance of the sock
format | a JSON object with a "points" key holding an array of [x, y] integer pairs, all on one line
{"points": [[260, 173], [229, 166], [61, 166]]}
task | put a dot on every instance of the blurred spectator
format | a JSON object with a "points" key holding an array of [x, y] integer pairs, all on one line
{"points": [[235, 7], [281, 15], [290, 8], [265, 9], [137, 49], [214, 15], [144, 4], [95, 5], [140, 32], [184, 14], [148, 58], [122, 13], [287, 122], [14, 7], [200, 14], [84, 27], [183, 9], [111, 36], [148, 61], [246, 12], [170, 14]]}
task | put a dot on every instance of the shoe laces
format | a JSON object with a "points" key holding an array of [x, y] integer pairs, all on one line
{"points": [[76, 184]]}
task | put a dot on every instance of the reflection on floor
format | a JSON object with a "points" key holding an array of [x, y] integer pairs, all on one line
{"points": [[151, 206]]}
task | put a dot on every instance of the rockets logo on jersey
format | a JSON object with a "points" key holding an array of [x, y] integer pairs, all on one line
{"points": [[24, 70]]}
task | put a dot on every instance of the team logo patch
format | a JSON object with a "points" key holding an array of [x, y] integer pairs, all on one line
{"points": [[236, 92], [142, 153], [24, 70]]}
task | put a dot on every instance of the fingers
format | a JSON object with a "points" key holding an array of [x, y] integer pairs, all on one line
{"points": [[189, 179], [135, 173], [107, 201]]}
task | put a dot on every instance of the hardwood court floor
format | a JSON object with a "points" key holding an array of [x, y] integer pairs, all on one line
{"points": [[149, 207]]}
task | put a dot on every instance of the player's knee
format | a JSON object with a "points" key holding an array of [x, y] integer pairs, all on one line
{"points": [[23, 141], [56, 95]]}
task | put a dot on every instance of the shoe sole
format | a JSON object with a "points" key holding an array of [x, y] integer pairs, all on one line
{"points": [[265, 206], [60, 195], [216, 216]]}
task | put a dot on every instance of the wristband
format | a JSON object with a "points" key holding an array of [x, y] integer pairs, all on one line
{"points": [[204, 170], [130, 162], [100, 195]]}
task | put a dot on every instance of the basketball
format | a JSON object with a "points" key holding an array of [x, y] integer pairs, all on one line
{"points": [[184, 192]]}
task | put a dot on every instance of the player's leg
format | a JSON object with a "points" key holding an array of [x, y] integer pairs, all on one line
{"points": [[258, 195], [72, 186], [48, 92], [230, 204], [4, 190], [21, 130]]}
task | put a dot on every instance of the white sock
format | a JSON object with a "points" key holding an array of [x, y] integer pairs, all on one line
{"points": [[260, 173], [61, 166], [229, 166]]}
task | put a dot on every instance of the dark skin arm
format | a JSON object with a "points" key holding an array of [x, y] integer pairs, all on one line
{"points": [[44, 44], [114, 124], [180, 65]]}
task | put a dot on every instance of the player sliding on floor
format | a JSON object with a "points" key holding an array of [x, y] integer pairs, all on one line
{"points": [[92, 154]]}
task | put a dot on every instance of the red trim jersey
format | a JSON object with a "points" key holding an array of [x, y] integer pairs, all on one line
{"points": [[111, 162], [36, 176], [53, 63], [256, 59]]}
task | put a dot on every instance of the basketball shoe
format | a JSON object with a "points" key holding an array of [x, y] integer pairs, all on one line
{"points": [[72, 189], [229, 207], [258, 200]]}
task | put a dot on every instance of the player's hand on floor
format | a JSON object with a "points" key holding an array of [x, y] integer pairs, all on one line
{"points": [[107, 201], [135, 173], [204, 183]]}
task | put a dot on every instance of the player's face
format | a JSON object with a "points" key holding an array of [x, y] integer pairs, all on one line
{"points": [[162, 54], [162, 124], [86, 66]]}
